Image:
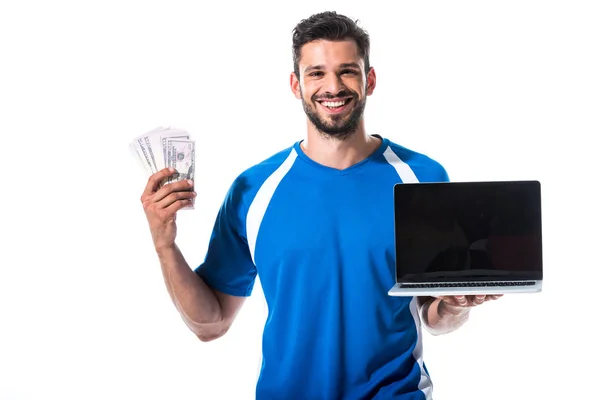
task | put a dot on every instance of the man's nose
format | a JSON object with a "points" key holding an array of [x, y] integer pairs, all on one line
{"points": [[333, 84]]}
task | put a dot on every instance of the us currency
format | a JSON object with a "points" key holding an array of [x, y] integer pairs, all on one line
{"points": [[143, 153], [151, 148], [144, 143], [156, 140], [137, 154], [142, 146], [176, 134], [181, 157]]}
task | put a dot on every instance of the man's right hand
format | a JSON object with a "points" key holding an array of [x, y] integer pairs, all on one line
{"points": [[161, 205]]}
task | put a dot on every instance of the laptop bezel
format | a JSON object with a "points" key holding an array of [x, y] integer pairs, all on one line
{"points": [[445, 277]]}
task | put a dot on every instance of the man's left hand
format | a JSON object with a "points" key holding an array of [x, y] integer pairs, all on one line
{"points": [[459, 304]]}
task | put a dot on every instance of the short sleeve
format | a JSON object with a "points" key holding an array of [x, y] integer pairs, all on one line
{"points": [[443, 174], [228, 265]]}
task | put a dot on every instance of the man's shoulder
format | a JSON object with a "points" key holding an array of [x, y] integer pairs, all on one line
{"points": [[426, 165], [249, 181], [409, 154], [260, 171]]}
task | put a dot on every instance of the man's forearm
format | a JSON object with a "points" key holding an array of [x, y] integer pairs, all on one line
{"points": [[440, 318], [195, 301]]}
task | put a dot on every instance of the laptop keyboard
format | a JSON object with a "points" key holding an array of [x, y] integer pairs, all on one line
{"points": [[464, 284]]}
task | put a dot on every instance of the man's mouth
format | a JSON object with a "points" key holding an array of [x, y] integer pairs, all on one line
{"points": [[336, 105]]}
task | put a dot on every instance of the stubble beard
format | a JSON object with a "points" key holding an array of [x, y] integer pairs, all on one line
{"points": [[335, 131]]}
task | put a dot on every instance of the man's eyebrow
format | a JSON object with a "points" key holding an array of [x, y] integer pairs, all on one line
{"points": [[322, 67], [314, 68], [350, 65]]}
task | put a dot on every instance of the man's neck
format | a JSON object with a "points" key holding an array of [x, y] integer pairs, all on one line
{"points": [[336, 153]]}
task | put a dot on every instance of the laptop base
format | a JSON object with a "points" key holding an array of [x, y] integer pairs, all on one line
{"points": [[535, 287]]}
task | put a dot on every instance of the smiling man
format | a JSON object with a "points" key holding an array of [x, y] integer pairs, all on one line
{"points": [[342, 110], [315, 222]]}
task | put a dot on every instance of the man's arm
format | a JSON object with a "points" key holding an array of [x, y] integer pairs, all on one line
{"points": [[207, 312], [445, 314]]}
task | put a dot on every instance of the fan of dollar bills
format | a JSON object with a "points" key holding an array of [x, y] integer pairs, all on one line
{"points": [[164, 148]]}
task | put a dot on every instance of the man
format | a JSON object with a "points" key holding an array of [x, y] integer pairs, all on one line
{"points": [[315, 221]]}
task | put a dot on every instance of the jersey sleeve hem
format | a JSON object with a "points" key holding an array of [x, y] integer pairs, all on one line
{"points": [[221, 287]]}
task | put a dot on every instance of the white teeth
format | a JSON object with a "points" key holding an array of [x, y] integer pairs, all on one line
{"points": [[333, 104]]}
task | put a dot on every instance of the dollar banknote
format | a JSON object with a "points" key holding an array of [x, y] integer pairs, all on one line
{"points": [[166, 147], [151, 147], [181, 157]]}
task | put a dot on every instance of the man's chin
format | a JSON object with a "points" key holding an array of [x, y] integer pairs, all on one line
{"points": [[339, 126], [338, 132]]}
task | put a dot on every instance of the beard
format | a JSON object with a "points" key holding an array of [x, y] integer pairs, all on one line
{"points": [[340, 127]]}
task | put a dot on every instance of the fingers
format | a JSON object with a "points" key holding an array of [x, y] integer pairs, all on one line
{"points": [[154, 181], [479, 299], [457, 301], [468, 300], [182, 197], [179, 204], [170, 197], [168, 190], [453, 305], [461, 301]]}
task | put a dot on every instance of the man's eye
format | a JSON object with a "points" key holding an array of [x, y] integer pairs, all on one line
{"points": [[316, 73], [349, 71]]}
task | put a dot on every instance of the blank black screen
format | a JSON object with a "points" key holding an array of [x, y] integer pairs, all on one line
{"points": [[482, 230]]}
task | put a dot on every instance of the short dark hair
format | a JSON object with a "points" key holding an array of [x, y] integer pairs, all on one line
{"points": [[329, 25]]}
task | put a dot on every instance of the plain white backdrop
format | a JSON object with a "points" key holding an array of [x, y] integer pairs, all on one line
{"points": [[492, 90]]}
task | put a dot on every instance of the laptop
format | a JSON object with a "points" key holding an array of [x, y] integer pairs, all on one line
{"points": [[466, 238]]}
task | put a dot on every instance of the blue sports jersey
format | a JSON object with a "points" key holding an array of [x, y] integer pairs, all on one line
{"points": [[322, 242]]}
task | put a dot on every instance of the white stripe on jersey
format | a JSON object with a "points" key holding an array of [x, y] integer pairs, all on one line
{"points": [[261, 201], [425, 384], [403, 169], [407, 175]]}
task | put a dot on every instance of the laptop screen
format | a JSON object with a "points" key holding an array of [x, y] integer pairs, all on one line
{"points": [[473, 231]]}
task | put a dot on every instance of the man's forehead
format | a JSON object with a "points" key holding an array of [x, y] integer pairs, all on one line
{"points": [[328, 53]]}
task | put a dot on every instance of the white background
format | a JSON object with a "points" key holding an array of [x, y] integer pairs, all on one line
{"points": [[492, 90]]}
